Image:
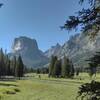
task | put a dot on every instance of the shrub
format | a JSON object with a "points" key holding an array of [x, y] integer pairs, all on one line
{"points": [[89, 91], [16, 90]]}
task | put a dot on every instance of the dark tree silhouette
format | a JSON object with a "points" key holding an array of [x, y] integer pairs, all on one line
{"points": [[1, 4], [19, 70], [67, 68], [88, 19], [93, 63], [89, 91], [51, 66], [57, 69]]}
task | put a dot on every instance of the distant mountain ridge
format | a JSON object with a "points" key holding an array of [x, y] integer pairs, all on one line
{"points": [[54, 50], [29, 51], [78, 48]]}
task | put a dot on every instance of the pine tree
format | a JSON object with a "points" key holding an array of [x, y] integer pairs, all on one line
{"points": [[67, 68], [13, 65], [38, 71], [94, 62], [88, 19], [77, 71], [8, 68], [7, 65], [19, 70], [51, 66], [72, 70], [1, 62], [57, 68]]}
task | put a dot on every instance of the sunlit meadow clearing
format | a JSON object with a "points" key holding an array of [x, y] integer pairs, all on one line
{"points": [[34, 88]]}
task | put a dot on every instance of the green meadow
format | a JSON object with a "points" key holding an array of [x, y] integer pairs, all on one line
{"points": [[31, 87]]}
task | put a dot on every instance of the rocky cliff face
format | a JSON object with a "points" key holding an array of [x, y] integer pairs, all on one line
{"points": [[28, 49], [54, 50], [24, 44], [79, 48]]}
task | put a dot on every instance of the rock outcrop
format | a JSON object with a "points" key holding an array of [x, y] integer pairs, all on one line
{"points": [[29, 51]]}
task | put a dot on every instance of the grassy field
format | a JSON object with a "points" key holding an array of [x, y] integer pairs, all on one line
{"points": [[34, 88]]}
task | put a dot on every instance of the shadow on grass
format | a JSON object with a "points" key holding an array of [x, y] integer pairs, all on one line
{"points": [[7, 79], [11, 92], [7, 84]]}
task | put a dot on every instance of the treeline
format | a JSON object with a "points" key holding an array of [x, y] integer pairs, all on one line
{"points": [[61, 68], [11, 67], [43, 70]]}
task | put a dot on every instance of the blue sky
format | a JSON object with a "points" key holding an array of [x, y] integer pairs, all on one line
{"points": [[38, 19]]}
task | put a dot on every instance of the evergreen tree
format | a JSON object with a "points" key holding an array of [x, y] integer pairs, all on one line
{"points": [[19, 70], [8, 68], [38, 71], [1, 62], [57, 68], [67, 68], [51, 66], [13, 65], [77, 71], [93, 63], [44, 70], [7, 65], [92, 69], [88, 19], [72, 70]]}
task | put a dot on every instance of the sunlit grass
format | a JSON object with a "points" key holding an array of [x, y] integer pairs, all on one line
{"points": [[34, 88]]}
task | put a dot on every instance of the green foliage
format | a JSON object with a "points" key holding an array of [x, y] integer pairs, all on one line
{"points": [[89, 91], [88, 19], [77, 71], [61, 68], [44, 70], [91, 2], [13, 65], [92, 68], [38, 71], [19, 70], [51, 66], [10, 67], [2, 63], [94, 63], [57, 69], [67, 68]]}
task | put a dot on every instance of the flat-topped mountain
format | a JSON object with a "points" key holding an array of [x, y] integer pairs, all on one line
{"points": [[28, 49], [24, 44]]}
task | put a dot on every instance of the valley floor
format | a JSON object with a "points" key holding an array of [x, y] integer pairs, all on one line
{"points": [[34, 88]]}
